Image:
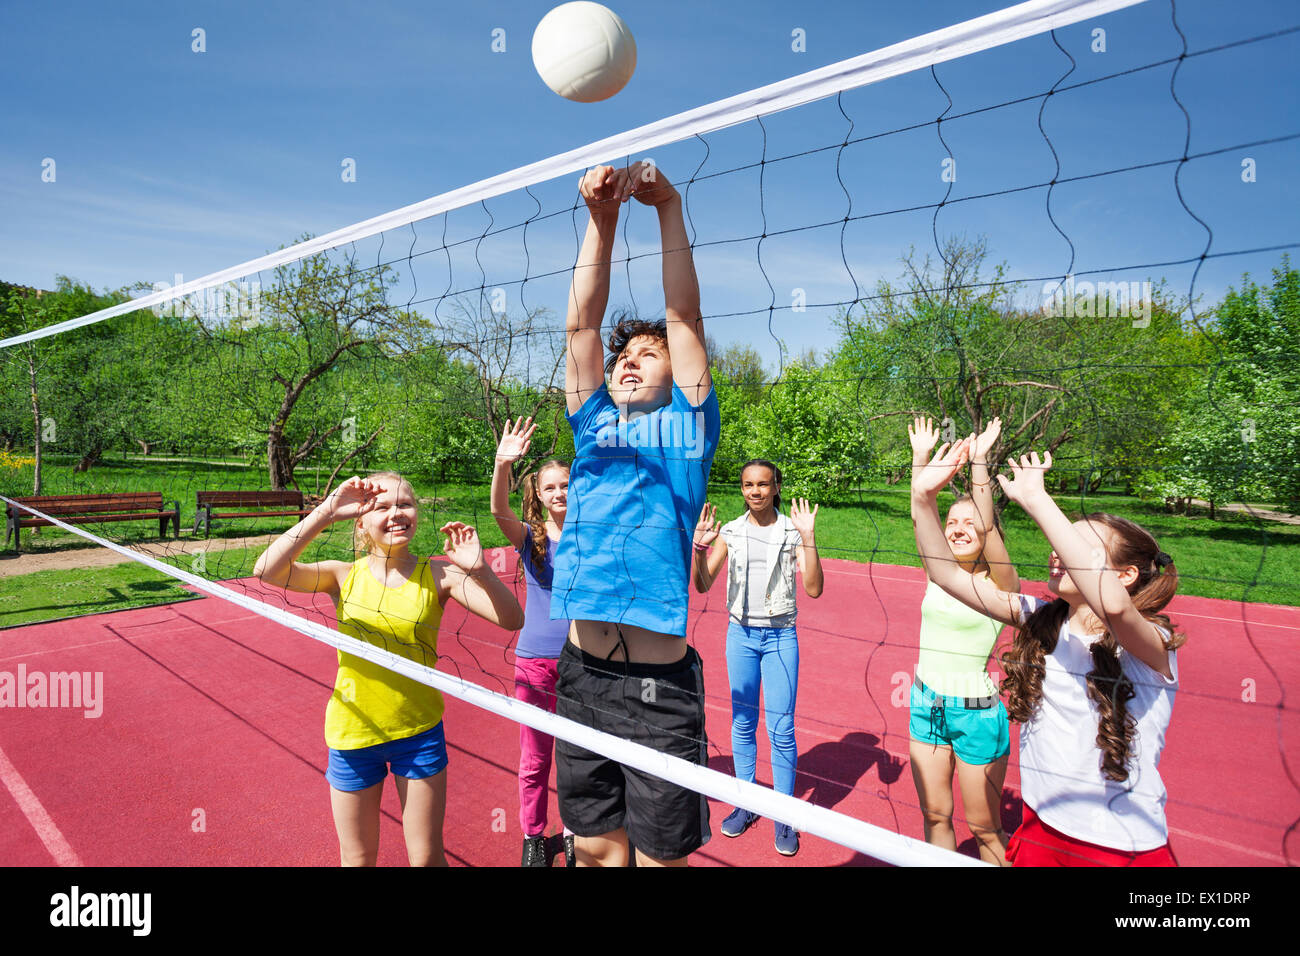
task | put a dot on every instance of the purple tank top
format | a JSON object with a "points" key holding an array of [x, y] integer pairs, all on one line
{"points": [[541, 636]]}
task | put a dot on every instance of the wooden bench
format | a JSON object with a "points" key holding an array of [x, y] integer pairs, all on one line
{"points": [[92, 509], [248, 504]]}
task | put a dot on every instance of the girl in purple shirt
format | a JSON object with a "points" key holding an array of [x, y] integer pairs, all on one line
{"points": [[545, 499]]}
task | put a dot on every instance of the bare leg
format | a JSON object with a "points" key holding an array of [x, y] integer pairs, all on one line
{"points": [[932, 768], [608, 849], [981, 795], [424, 805], [356, 818], [643, 860]]}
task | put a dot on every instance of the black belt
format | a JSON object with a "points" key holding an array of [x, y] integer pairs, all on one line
{"points": [[970, 703]]}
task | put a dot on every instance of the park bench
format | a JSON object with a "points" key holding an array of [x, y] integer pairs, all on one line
{"points": [[93, 509], [247, 504]]}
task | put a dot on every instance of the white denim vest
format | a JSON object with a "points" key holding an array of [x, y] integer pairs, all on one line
{"points": [[782, 562]]}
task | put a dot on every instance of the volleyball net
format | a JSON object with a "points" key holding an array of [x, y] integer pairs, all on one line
{"points": [[845, 225]]}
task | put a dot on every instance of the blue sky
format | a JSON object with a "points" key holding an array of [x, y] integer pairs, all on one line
{"points": [[173, 161]]}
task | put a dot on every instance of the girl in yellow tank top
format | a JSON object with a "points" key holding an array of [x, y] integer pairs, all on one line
{"points": [[392, 599]]}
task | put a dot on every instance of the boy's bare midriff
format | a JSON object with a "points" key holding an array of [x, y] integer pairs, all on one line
{"points": [[600, 639]]}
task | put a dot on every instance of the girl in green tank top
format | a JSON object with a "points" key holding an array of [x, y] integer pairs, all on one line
{"points": [[957, 721]]}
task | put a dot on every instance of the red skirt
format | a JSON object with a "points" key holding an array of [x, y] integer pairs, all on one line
{"points": [[1037, 844]]}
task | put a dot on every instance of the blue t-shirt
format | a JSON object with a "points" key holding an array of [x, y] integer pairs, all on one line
{"points": [[635, 493], [541, 636]]}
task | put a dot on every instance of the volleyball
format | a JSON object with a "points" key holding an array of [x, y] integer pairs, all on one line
{"points": [[584, 51]]}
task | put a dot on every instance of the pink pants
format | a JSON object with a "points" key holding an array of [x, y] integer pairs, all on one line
{"points": [[534, 684]]}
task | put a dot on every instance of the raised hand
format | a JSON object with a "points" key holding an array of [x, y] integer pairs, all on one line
{"points": [[515, 440], [985, 441], [803, 519], [648, 184], [351, 500], [923, 436], [708, 527], [1026, 483], [462, 546], [929, 479], [604, 189]]}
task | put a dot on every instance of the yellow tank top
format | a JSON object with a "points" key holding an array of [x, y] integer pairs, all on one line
{"points": [[371, 704]]}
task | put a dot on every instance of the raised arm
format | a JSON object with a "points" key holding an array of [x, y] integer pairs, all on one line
{"points": [[978, 593], [513, 446], [604, 189], [1001, 569], [1087, 565], [470, 582], [279, 565], [810, 563], [686, 345], [705, 565]]}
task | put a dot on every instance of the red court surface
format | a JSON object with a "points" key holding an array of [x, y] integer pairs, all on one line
{"points": [[209, 747]]}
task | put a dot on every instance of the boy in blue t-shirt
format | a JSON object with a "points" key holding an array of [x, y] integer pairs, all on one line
{"points": [[644, 443]]}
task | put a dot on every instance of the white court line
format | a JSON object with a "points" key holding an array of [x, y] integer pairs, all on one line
{"points": [[55, 650], [41, 822], [1191, 835]]}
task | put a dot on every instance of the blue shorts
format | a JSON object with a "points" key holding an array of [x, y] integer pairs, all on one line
{"points": [[977, 735], [415, 758]]}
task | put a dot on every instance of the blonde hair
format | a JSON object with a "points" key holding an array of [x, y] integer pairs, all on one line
{"points": [[361, 543]]}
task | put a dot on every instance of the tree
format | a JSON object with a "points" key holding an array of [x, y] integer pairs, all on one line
{"points": [[1238, 431], [949, 343], [516, 361], [317, 318]]}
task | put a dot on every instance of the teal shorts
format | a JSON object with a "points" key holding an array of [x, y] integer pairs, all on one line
{"points": [[977, 735]]}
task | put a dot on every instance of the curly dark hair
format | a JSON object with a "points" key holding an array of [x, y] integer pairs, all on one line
{"points": [[628, 327], [1109, 689]]}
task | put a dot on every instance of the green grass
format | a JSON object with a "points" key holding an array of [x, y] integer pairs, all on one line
{"points": [[1233, 557]]}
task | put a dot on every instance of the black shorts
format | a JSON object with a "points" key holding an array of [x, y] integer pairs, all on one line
{"points": [[658, 705]]}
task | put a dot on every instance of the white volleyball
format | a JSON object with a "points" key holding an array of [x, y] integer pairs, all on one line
{"points": [[584, 51]]}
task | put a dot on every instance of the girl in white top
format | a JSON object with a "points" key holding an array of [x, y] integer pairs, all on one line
{"points": [[1091, 674]]}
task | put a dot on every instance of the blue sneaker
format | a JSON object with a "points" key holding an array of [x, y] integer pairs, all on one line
{"points": [[787, 840], [738, 821]]}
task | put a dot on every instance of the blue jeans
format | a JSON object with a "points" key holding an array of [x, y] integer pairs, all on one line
{"points": [[768, 656]]}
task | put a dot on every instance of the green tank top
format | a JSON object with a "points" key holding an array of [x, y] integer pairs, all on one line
{"points": [[955, 646]]}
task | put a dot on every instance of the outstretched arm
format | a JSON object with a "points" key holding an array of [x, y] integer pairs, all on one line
{"points": [[978, 593], [706, 564], [470, 582], [810, 563], [604, 189], [513, 446], [681, 287], [1087, 565], [1001, 569], [279, 564]]}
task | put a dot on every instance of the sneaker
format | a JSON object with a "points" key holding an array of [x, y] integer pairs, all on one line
{"points": [[738, 821], [787, 840], [570, 852], [535, 851]]}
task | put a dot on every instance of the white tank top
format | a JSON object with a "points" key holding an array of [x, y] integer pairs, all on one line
{"points": [[1060, 763]]}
